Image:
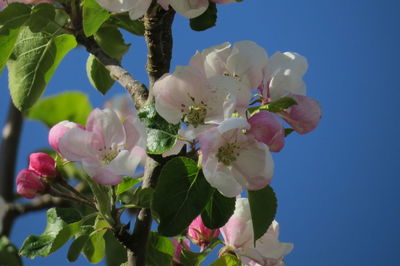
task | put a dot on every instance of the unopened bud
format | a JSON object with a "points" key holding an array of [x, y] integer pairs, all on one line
{"points": [[42, 164], [29, 184], [200, 234]]}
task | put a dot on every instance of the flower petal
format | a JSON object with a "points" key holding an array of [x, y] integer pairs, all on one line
{"points": [[77, 144], [189, 8]]}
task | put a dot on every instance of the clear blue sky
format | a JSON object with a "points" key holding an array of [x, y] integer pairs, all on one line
{"points": [[337, 186]]}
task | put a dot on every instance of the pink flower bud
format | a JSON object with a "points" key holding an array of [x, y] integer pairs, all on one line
{"points": [[266, 128], [58, 130], [304, 116], [28, 184], [200, 234], [42, 164], [178, 246]]}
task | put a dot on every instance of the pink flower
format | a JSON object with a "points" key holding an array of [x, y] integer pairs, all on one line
{"points": [[42, 164], [233, 160], [28, 184], [267, 128], [58, 130], [108, 148], [304, 116], [200, 234], [238, 236], [178, 246]]}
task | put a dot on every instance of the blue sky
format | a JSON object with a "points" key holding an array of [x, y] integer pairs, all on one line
{"points": [[338, 185]]}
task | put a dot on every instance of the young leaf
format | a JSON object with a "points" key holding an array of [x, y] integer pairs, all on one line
{"points": [[126, 184], [218, 210], [279, 105], [227, 260], [140, 197], [94, 249], [111, 41], [206, 20], [98, 75], [159, 251], [123, 21], [72, 106], [161, 135], [263, 205], [76, 247], [181, 194], [41, 16], [33, 62], [9, 253], [62, 224], [11, 20], [115, 251], [93, 17]]}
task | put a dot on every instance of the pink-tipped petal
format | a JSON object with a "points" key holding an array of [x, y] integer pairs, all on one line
{"points": [[267, 128], [304, 116], [200, 234], [58, 131]]}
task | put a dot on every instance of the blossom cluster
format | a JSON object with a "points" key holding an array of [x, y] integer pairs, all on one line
{"points": [[212, 97], [137, 8], [238, 238]]}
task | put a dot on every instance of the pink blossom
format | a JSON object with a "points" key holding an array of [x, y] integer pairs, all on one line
{"points": [[267, 128], [178, 246], [29, 184], [238, 236], [233, 160], [304, 116], [108, 148], [186, 94], [42, 164], [200, 234], [58, 130]]}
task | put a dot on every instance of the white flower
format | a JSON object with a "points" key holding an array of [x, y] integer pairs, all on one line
{"points": [[232, 160]]}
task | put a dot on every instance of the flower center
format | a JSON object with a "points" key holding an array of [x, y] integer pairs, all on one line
{"points": [[227, 154], [196, 115]]}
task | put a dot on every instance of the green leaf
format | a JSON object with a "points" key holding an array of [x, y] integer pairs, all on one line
{"points": [[161, 135], [41, 16], [94, 249], [72, 106], [9, 253], [160, 250], [263, 205], [206, 20], [227, 260], [181, 194], [218, 210], [93, 17], [62, 224], [141, 197], [115, 252], [190, 258], [111, 41], [33, 62], [11, 20], [126, 184], [288, 131], [279, 105], [76, 247], [123, 21]]}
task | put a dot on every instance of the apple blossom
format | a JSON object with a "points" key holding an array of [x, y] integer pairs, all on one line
{"points": [[42, 164], [238, 237], [29, 184], [267, 128], [184, 243], [233, 160], [58, 130], [304, 116], [200, 234], [105, 149], [187, 94]]}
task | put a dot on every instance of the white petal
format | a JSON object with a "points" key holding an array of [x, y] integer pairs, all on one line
{"points": [[219, 178], [77, 144], [233, 123], [190, 8], [125, 163], [118, 6], [140, 9]]}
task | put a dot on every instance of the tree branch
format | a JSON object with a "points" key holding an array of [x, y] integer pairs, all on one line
{"points": [[14, 210], [8, 152]]}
